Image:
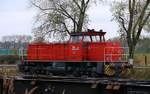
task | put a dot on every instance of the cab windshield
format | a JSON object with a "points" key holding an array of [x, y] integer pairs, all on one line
{"points": [[76, 38], [90, 36], [86, 39]]}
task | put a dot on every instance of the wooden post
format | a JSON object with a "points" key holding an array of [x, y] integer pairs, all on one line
{"points": [[145, 60]]}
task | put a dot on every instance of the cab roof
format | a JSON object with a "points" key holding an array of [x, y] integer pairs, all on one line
{"points": [[91, 32]]}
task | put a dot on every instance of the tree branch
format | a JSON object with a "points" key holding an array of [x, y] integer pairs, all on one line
{"points": [[67, 14], [86, 4], [75, 1], [141, 27], [66, 28], [141, 21], [43, 9], [146, 19], [131, 18], [131, 7], [123, 23]]}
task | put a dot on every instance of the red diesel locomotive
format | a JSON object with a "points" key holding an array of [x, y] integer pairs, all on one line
{"points": [[85, 54]]}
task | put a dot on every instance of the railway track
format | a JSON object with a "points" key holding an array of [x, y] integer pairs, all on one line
{"points": [[15, 66], [67, 85], [8, 65], [72, 85]]}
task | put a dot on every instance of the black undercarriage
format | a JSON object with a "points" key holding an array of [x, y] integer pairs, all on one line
{"points": [[77, 69]]}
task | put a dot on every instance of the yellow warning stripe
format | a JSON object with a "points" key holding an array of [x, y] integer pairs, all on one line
{"points": [[109, 70]]}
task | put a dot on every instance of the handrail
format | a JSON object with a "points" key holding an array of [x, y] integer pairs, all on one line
{"points": [[123, 53]]}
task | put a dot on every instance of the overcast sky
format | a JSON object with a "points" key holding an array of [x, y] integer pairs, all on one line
{"points": [[17, 18]]}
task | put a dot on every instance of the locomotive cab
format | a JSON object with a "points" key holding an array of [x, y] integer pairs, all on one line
{"points": [[90, 36], [86, 46]]}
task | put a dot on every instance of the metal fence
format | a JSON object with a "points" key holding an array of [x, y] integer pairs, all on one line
{"points": [[142, 50], [18, 52]]}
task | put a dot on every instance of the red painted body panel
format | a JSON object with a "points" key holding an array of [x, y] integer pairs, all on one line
{"points": [[46, 52], [58, 51], [96, 51], [32, 52], [80, 51]]}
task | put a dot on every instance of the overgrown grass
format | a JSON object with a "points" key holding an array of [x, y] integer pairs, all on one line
{"points": [[9, 71], [139, 59], [141, 70], [138, 74]]}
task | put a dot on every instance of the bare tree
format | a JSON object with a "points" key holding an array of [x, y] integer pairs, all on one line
{"points": [[17, 38], [15, 41], [132, 16], [61, 15]]}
